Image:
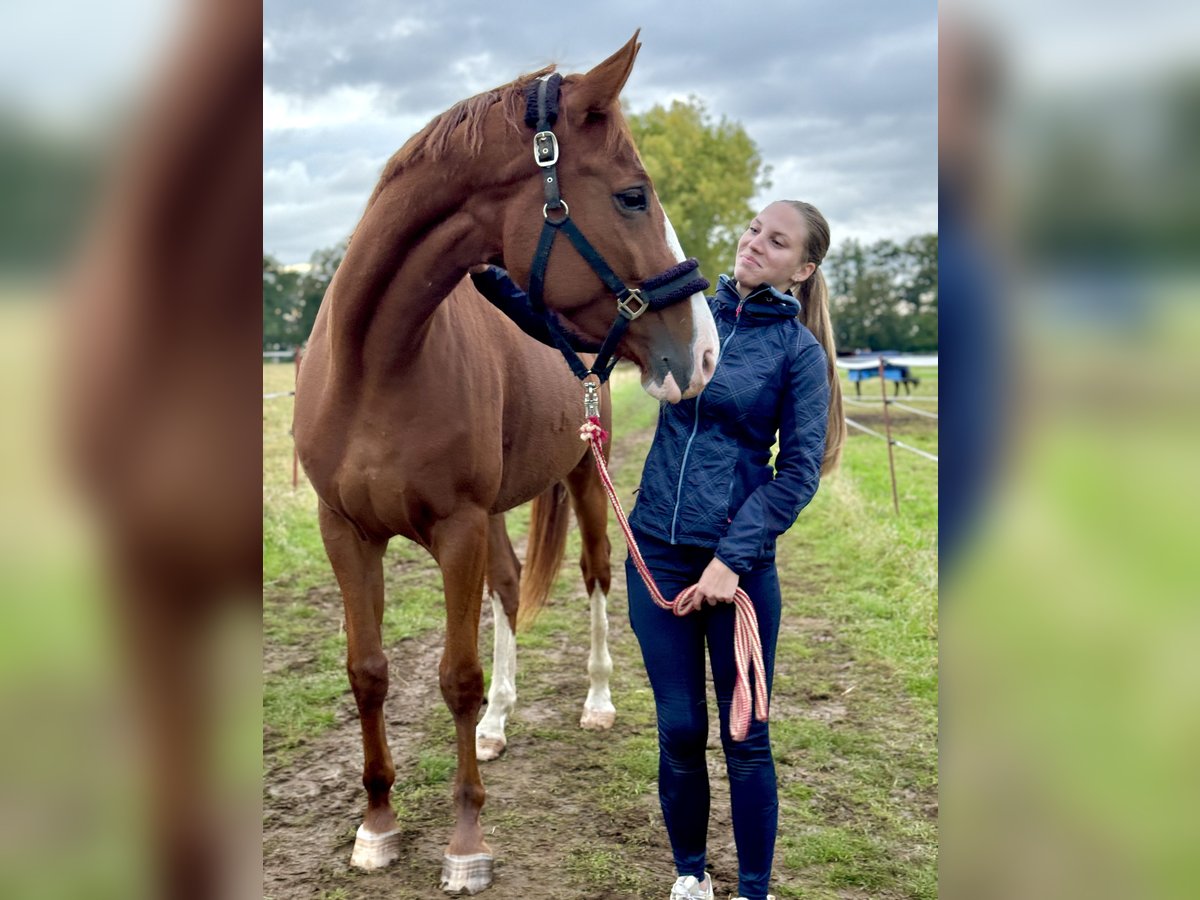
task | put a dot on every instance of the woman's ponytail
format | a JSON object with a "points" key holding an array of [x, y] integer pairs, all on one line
{"points": [[814, 313]]}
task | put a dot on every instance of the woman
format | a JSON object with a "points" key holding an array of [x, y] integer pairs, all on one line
{"points": [[708, 512]]}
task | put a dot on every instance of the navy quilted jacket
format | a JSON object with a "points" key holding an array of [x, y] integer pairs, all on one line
{"points": [[708, 480]]}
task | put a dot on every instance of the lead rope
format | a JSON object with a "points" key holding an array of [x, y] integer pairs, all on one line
{"points": [[747, 646]]}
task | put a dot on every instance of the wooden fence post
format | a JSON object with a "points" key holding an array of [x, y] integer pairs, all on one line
{"points": [[887, 421], [295, 455]]}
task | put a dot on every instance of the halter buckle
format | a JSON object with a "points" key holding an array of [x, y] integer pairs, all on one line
{"points": [[632, 304], [545, 149]]}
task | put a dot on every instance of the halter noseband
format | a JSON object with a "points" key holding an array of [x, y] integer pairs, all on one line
{"points": [[662, 290]]}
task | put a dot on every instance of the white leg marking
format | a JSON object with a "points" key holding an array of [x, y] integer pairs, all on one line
{"points": [[489, 733], [598, 710]]}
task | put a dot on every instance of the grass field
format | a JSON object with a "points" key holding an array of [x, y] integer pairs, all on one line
{"points": [[854, 719]]}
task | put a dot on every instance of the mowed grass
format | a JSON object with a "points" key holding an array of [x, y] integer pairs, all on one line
{"points": [[292, 549], [300, 699], [855, 726]]}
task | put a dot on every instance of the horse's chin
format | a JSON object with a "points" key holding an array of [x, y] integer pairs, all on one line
{"points": [[665, 391]]}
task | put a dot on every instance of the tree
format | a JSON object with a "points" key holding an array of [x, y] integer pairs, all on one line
{"points": [[705, 174], [293, 294], [919, 293], [279, 300], [322, 265], [884, 297], [47, 185], [858, 292]]}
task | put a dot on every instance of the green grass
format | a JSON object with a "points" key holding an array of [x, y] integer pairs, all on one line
{"points": [[851, 561], [292, 550], [299, 700], [872, 574], [300, 706], [857, 789], [601, 867]]}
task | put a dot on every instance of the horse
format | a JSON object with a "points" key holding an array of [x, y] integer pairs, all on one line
{"points": [[162, 427], [421, 411]]}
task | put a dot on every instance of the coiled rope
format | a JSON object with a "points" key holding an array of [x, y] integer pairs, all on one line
{"points": [[750, 685]]}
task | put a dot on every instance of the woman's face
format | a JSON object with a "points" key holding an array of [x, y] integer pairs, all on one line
{"points": [[772, 249]]}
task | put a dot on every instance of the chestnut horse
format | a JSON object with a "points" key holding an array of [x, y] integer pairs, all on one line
{"points": [[163, 430], [422, 411]]}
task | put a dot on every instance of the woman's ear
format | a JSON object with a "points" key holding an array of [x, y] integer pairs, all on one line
{"points": [[804, 272], [598, 90]]}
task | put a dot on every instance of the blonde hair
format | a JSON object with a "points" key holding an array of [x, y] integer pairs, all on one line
{"points": [[814, 313]]}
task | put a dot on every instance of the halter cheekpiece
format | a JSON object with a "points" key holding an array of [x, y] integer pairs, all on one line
{"points": [[662, 290]]}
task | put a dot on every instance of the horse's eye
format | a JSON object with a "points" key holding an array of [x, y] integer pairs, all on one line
{"points": [[630, 201]]}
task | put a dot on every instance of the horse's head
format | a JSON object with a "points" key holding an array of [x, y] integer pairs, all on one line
{"points": [[610, 199]]}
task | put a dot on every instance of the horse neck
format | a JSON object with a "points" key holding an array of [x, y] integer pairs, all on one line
{"points": [[411, 248]]}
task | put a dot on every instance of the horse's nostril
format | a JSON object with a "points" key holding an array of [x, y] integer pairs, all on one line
{"points": [[708, 364]]}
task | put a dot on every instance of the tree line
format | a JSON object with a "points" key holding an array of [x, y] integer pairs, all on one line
{"points": [[883, 295]]}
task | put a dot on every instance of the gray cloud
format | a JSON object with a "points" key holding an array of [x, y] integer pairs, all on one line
{"points": [[841, 102]]}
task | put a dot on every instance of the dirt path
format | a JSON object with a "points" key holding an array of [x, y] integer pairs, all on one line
{"points": [[535, 819], [539, 822], [563, 820]]}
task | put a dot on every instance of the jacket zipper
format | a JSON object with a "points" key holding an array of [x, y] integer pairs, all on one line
{"points": [[696, 423]]}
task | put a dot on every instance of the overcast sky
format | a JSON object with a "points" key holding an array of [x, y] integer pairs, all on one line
{"points": [[841, 100]]}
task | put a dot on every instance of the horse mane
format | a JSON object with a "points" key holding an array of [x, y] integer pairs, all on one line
{"points": [[433, 142]]}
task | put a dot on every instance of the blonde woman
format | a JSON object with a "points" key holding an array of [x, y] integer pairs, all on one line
{"points": [[709, 509]]}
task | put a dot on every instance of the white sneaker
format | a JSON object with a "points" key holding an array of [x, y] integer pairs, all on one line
{"points": [[688, 888]]}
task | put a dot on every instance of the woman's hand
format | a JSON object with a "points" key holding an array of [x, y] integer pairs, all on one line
{"points": [[479, 269], [718, 584]]}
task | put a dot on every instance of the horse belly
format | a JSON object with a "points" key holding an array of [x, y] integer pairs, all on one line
{"points": [[538, 451], [416, 475], [395, 470]]}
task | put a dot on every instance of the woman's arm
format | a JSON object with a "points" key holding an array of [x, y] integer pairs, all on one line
{"points": [[772, 508], [504, 294]]}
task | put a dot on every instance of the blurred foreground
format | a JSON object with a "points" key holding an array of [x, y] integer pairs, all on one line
{"points": [[131, 460], [1070, 161]]}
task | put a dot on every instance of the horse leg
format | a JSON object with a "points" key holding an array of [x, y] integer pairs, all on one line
{"points": [[460, 546], [358, 565], [503, 579], [590, 503], [164, 626]]}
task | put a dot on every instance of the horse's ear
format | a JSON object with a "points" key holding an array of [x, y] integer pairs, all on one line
{"points": [[599, 89]]}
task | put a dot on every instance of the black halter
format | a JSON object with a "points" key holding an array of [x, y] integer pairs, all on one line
{"points": [[671, 286]]}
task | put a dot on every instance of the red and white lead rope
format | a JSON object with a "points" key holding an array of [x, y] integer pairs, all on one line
{"points": [[747, 646]]}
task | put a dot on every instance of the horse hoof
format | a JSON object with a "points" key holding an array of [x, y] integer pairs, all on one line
{"points": [[597, 719], [374, 851], [489, 748], [466, 873]]}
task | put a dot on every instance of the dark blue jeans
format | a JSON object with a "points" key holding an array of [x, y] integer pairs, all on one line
{"points": [[673, 649]]}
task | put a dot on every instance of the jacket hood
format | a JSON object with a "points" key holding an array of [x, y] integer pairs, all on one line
{"points": [[764, 302]]}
